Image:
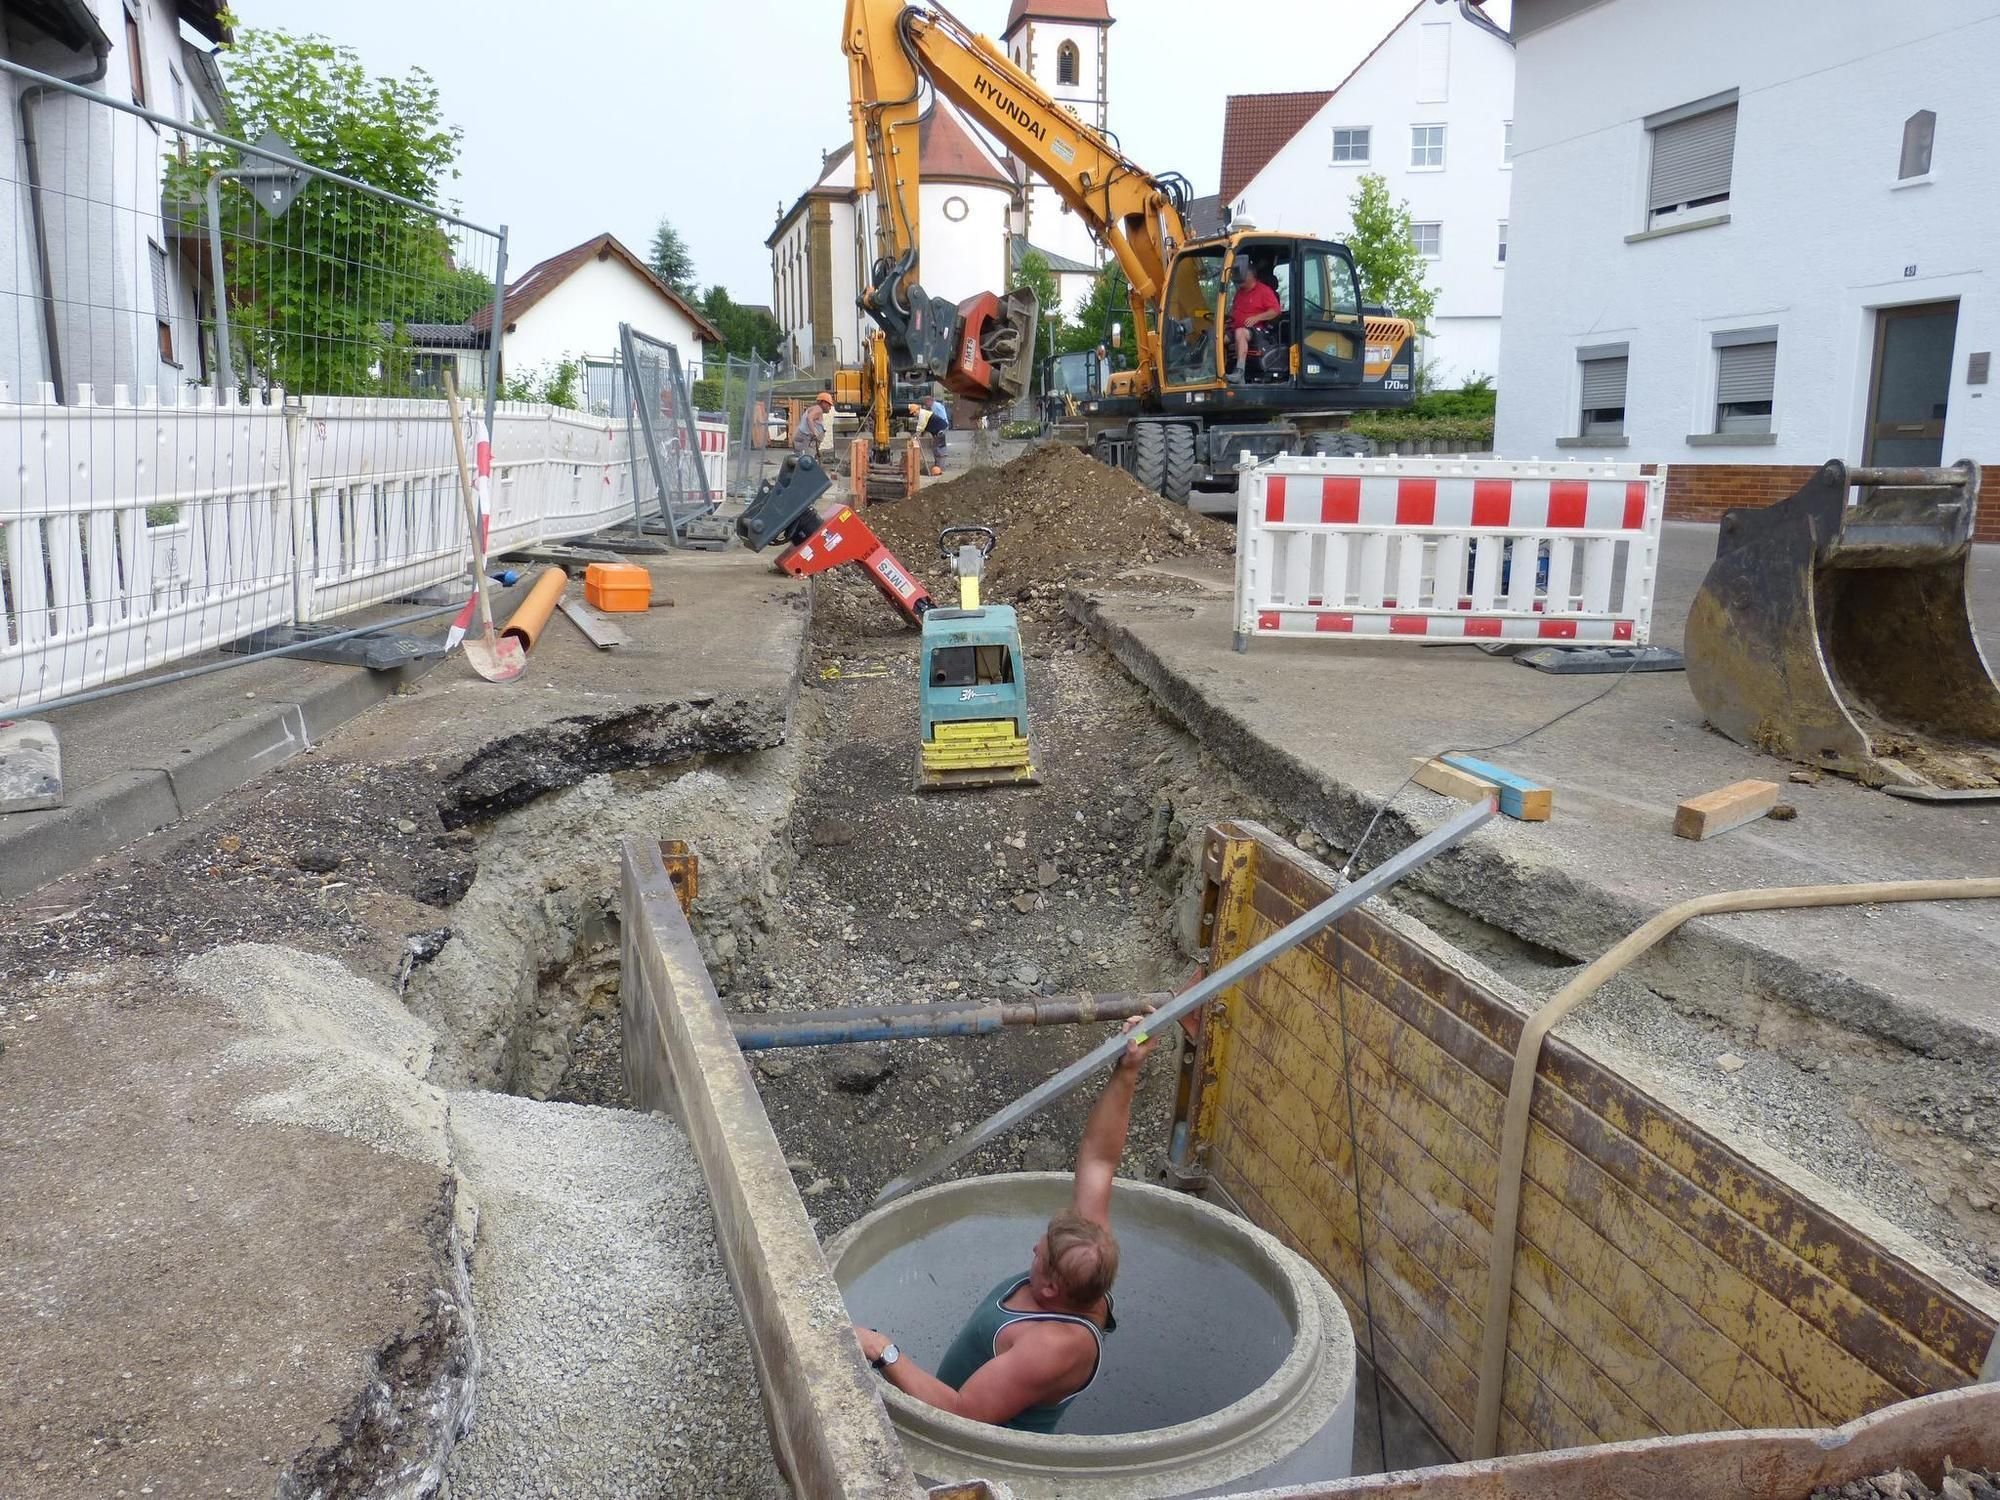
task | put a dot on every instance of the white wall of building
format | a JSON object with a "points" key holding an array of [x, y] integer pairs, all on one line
{"points": [[581, 317], [1436, 68], [101, 171], [1819, 233], [965, 248], [1035, 47]]}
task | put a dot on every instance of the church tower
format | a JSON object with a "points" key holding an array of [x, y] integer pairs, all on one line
{"points": [[1061, 44]]}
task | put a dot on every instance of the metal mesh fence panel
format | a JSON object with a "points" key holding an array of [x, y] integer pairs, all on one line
{"points": [[219, 382]]}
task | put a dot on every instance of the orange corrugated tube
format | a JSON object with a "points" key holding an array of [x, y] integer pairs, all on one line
{"points": [[525, 624]]}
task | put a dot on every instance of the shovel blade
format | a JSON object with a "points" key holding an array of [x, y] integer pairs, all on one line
{"points": [[498, 660]]}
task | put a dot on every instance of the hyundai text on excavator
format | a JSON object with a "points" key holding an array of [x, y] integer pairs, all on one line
{"points": [[1182, 418]]}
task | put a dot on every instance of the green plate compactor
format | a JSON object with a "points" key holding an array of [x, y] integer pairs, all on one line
{"points": [[974, 716]]}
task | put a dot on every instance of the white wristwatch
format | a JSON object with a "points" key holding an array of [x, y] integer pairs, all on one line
{"points": [[889, 1355]]}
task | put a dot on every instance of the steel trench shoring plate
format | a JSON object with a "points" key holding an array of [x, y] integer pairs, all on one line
{"points": [[1078, 1073]]}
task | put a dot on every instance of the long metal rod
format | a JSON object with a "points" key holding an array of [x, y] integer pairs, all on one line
{"points": [[892, 1023], [1229, 975], [225, 360], [132, 685]]}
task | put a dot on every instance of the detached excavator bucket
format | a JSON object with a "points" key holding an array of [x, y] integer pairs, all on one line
{"points": [[1838, 635]]}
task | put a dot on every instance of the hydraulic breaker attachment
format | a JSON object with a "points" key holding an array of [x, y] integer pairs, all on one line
{"points": [[786, 510], [1838, 635]]}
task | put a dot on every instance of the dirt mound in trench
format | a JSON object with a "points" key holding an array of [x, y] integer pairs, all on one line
{"points": [[1061, 516]]}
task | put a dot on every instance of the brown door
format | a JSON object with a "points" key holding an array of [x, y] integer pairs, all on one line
{"points": [[1911, 384]]}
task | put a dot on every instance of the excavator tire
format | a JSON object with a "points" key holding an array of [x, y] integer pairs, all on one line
{"points": [[1178, 479], [1149, 455], [1340, 445]]}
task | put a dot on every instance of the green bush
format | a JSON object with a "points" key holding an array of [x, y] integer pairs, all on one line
{"points": [[1020, 429], [706, 395], [1410, 427], [1472, 401]]}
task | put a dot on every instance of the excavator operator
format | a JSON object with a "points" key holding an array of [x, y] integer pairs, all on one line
{"points": [[1035, 1342], [1255, 304]]}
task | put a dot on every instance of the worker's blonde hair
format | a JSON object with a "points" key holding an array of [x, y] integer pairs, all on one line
{"points": [[1082, 1257]]}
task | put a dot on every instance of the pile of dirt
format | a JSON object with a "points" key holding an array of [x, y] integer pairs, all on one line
{"points": [[1902, 1484], [1062, 517]]}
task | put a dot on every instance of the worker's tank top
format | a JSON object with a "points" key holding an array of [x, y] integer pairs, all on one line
{"points": [[974, 1346]]}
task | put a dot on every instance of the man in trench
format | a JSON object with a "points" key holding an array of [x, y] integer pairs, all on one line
{"points": [[1034, 1343]]}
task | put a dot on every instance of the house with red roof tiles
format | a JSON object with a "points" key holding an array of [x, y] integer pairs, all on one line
{"points": [[1430, 109]]}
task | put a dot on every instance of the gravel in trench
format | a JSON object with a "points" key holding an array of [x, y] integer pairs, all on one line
{"points": [[607, 1370]]}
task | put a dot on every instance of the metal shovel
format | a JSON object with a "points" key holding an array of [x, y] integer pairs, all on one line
{"points": [[495, 657]]}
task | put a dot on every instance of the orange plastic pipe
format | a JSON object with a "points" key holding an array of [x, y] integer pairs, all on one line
{"points": [[525, 624]]}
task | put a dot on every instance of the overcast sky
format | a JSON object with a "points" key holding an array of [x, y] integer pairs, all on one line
{"points": [[606, 114]]}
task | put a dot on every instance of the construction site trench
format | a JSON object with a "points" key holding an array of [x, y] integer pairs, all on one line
{"points": [[426, 951]]}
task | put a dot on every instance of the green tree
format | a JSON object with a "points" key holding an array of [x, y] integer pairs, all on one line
{"points": [[317, 295], [745, 330], [1031, 270], [1385, 253], [671, 259], [1109, 301]]}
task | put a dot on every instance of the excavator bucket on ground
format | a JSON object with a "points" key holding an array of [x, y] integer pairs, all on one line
{"points": [[1838, 635]]}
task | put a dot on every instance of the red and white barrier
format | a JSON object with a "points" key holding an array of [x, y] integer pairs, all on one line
{"points": [[1443, 549]]}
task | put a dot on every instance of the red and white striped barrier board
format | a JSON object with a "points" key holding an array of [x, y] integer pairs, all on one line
{"points": [[713, 440], [1447, 549]]}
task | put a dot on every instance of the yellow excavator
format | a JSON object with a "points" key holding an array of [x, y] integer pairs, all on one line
{"points": [[1179, 420]]}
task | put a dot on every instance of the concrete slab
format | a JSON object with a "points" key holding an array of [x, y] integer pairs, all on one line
{"points": [[723, 657], [1329, 729], [717, 669]]}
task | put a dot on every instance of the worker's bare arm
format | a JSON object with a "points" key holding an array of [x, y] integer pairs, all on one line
{"points": [[1036, 1363], [1104, 1132]]}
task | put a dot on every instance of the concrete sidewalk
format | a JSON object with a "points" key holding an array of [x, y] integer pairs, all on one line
{"points": [[136, 763], [1330, 728]]}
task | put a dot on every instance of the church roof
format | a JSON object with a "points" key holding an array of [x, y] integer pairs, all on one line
{"points": [[1097, 12], [949, 152]]}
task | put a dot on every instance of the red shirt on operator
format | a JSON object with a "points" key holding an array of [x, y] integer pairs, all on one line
{"points": [[1256, 297]]}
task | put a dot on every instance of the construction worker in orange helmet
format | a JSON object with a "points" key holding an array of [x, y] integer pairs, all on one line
{"points": [[812, 425]]}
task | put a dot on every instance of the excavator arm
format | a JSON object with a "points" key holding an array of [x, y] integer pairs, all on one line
{"points": [[984, 347]]}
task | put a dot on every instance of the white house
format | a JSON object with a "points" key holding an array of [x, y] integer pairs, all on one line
{"points": [[569, 307], [1429, 110], [103, 284], [1746, 257]]}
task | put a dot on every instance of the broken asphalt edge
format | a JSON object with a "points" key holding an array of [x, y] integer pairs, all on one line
{"points": [[1703, 966], [127, 805]]}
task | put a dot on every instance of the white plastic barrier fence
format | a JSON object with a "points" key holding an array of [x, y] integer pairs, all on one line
{"points": [[1441, 549], [138, 533]]}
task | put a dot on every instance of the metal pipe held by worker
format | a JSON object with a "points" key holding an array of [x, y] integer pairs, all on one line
{"points": [[895, 1023], [1384, 875], [525, 624]]}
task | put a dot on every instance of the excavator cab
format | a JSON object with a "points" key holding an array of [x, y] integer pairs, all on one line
{"points": [[1322, 341]]}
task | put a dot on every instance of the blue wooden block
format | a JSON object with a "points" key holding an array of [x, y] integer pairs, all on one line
{"points": [[1520, 798]]}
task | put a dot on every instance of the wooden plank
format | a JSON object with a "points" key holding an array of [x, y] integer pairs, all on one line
{"points": [[1724, 808], [1441, 777], [597, 628], [1529, 801]]}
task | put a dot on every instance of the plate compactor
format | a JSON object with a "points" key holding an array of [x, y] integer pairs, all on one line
{"points": [[1837, 634], [974, 713], [973, 721]]}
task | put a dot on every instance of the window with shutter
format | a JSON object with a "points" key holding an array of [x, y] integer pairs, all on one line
{"points": [[1693, 155], [1501, 256], [135, 57], [1603, 390], [1918, 132], [163, 307], [1746, 371]]}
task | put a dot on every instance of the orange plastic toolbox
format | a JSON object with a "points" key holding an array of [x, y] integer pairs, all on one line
{"points": [[617, 588]]}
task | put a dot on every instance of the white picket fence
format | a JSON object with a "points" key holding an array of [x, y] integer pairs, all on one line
{"points": [[135, 534], [1437, 548]]}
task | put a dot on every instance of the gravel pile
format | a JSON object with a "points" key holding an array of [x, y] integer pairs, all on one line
{"points": [[608, 1369], [1061, 516], [1901, 1484]]}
